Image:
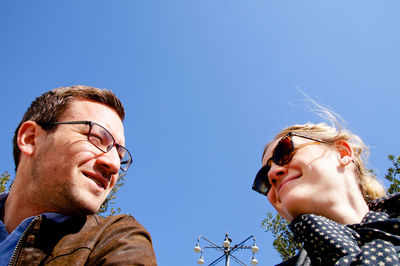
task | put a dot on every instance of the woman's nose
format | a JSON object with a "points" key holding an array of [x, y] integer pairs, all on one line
{"points": [[276, 173]]}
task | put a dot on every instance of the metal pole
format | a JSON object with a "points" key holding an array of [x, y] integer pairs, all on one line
{"points": [[227, 251], [227, 259]]}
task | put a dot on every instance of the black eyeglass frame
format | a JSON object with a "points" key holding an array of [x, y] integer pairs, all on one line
{"points": [[261, 180], [127, 163]]}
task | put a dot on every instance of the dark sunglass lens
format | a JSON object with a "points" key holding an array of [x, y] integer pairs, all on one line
{"points": [[261, 182], [283, 151]]}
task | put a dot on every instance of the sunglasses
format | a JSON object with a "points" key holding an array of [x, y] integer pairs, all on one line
{"points": [[283, 153]]}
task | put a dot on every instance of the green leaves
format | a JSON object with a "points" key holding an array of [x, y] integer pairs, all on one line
{"points": [[4, 178], [284, 241], [393, 174], [110, 200]]}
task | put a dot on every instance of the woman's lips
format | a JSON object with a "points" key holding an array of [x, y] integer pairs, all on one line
{"points": [[286, 180]]}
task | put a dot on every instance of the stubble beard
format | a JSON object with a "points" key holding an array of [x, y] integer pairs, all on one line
{"points": [[60, 197]]}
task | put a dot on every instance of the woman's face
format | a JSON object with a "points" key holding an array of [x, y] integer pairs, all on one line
{"points": [[312, 182]]}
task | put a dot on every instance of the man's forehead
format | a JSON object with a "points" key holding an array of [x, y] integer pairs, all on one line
{"points": [[104, 115]]}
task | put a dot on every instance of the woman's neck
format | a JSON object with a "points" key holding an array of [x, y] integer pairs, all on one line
{"points": [[349, 211]]}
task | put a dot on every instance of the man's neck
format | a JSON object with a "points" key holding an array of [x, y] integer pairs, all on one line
{"points": [[16, 210]]}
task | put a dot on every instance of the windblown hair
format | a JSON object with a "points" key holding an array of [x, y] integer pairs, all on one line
{"points": [[370, 187], [50, 106]]}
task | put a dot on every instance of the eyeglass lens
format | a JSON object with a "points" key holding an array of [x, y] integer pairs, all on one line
{"points": [[102, 139]]}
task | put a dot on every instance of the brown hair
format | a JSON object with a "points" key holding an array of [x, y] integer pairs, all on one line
{"points": [[368, 184], [51, 105]]}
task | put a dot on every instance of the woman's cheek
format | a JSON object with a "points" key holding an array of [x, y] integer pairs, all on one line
{"points": [[276, 203], [272, 196]]}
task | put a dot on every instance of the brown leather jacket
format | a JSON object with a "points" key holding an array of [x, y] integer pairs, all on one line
{"points": [[87, 240]]}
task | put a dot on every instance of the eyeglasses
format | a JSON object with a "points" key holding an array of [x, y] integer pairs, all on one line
{"points": [[283, 153], [102, 139]]}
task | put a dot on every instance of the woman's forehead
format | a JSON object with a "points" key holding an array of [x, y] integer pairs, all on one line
{"points": [[268, 152]]}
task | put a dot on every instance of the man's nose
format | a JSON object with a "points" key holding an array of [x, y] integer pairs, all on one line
{"points": [[110, 161]]}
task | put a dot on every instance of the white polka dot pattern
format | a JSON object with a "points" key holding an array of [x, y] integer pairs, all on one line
{"points": [[374, 241]]}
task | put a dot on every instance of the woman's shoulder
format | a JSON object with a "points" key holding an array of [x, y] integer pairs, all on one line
{"points": [[387, 204]]}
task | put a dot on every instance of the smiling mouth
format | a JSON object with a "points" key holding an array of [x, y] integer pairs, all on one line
{"points": [[98, 182], [286, 181]]}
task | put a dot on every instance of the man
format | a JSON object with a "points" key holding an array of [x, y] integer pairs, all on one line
{"points": [[68, 150]]}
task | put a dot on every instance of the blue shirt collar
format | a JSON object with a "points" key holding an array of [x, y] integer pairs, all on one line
{"points": [[54, 216]]}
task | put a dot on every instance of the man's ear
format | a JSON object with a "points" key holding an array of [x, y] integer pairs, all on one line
{"points": [[26, 138], [345, 151]]}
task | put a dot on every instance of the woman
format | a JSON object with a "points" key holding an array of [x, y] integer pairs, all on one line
{"points": [[315, 178]]}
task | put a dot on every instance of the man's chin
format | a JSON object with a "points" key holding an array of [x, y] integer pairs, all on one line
{"points": [[84, 208]]}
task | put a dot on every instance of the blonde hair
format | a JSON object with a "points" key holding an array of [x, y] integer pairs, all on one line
{"points": [[370, 187]]}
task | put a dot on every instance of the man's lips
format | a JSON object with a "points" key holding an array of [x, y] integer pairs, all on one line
{"points": [[287, 179], [98, 179]]}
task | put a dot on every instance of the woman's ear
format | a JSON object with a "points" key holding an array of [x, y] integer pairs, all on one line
{"points": [[26, 137], [345, 151]]}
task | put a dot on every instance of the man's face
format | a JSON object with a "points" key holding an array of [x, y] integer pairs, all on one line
{"points": [[72, 175]]}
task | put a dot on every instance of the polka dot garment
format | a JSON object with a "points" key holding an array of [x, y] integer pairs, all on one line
{"points": [[374, 241]]}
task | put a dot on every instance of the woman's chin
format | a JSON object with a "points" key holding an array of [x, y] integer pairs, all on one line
{"points": [[293, 205]]}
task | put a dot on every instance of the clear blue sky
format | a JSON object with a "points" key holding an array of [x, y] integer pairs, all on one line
{"points": [[206, 84]]}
